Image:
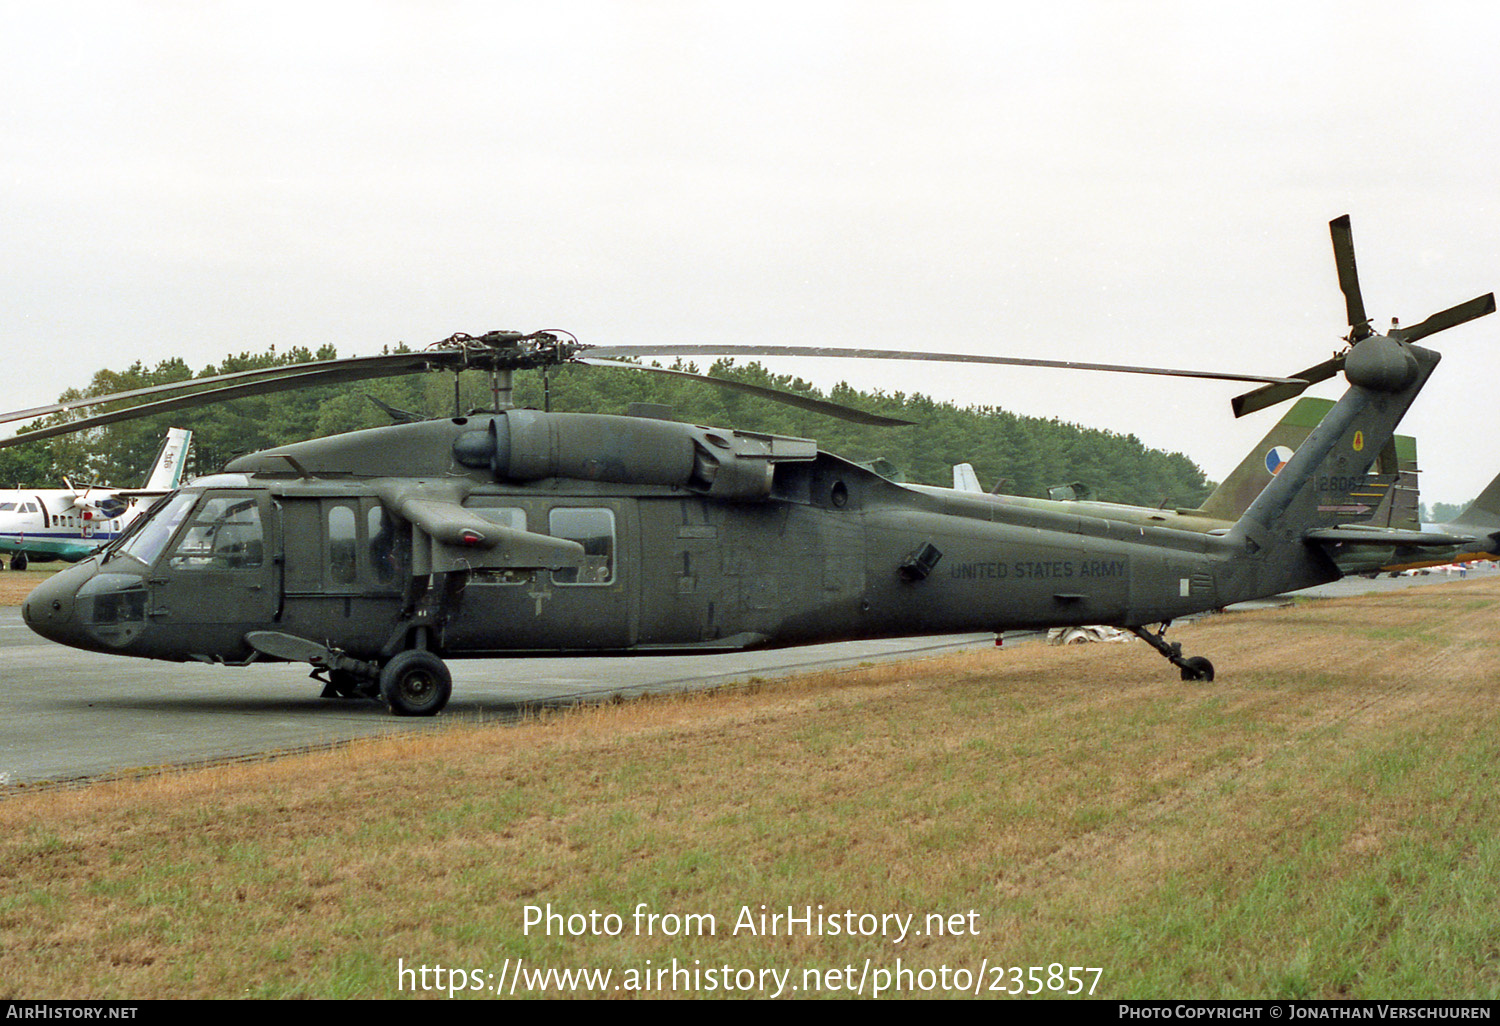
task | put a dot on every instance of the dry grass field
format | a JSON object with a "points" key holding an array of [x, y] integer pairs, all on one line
{"points": [[16, 586], [1321, 822]]}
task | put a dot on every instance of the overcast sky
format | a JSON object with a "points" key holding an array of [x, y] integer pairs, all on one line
{"points": [[1114, 181]]}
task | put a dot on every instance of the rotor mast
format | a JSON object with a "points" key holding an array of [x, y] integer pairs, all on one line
{"points": [[502, 387]]}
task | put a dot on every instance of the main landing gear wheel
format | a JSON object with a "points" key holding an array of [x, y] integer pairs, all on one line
{"points": [[415, 683], [18, 561]]}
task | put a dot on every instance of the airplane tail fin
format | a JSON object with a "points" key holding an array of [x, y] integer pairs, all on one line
{"points": [[1394, 471], [166, 473], [965, 479], [1402, 510], [1237, 491], [1483, 512], [1326, 483]]}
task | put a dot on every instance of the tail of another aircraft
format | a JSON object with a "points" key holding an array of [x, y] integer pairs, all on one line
{"points": [[1391, 492], [1483, 512], [1230, 500], [965, 479], [166, 473]]}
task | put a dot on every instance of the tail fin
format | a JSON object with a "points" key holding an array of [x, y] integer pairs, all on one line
{"points": [[1391, 491], [1483, 512], [166, 474], [1325, 481], [964, 478], [1401, 510], [1230, 500]]}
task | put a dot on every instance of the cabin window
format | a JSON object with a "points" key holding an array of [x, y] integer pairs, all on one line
{"points": [[594, 529], [514, 518], [225, 534], [342, 545]]}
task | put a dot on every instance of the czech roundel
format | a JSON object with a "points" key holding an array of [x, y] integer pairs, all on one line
{"points": [[1276, 458]]}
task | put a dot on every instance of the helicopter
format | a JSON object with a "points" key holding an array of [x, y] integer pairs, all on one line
{"points": [[377, 555]]}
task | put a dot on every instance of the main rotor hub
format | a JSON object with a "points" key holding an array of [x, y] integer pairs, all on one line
{"points": [[511, 350], [1381, 364]]}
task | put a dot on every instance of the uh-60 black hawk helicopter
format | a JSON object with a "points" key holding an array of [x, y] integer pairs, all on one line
{"points": [[378, 554]]}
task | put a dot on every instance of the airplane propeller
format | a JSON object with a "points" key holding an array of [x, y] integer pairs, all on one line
{"points": [[1359, 327]]}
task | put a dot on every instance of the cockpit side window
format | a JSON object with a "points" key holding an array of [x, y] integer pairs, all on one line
{"points": [[225, 534]]}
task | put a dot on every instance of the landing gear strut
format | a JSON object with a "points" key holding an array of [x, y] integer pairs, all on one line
{"points": [[1192, 667]]}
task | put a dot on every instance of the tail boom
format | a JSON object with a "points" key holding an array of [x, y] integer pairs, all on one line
{"points": [[1315, 489]]}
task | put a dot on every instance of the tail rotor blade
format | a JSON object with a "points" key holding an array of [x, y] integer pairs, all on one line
{"points": [[1451, 317], [1343, 256]]}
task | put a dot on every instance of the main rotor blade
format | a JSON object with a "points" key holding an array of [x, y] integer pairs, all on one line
{"points": [[329, 372], [1270, 395], [823, 406], [889, 354], [386, 363], [1448, 318], [1343, 257]]}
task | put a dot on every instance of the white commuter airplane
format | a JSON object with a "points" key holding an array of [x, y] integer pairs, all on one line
{"points": [[45, 524]]}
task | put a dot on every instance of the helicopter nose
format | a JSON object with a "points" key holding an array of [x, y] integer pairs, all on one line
{"points": [[51, 607]]}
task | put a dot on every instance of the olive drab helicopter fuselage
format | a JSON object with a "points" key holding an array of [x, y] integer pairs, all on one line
{"points": [[526, 531], [377, 555]]}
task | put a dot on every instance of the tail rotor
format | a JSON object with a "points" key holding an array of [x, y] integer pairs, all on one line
{"points": [[1359, 329]]}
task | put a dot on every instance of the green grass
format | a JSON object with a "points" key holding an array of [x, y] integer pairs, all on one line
{"points": [[1320, 823]]}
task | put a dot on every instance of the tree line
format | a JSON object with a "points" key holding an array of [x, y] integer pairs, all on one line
{"points": [[1025, 455]]}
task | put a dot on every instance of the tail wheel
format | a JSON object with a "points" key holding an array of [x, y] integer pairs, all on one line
{"points": [[1197, 668], [415, 683]]}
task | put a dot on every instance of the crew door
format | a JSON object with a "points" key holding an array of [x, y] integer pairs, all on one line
{"points": [[341, 575], [214, 583]]}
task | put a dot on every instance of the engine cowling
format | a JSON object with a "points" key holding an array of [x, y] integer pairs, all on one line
{"points": [[529, 445]]}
